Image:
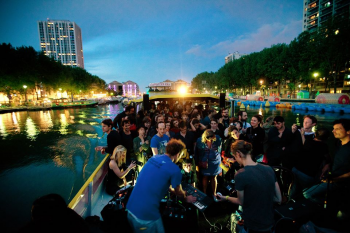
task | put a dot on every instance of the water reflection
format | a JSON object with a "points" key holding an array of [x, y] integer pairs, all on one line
{"points": [[3, 131], [31, 130], [64, 124]]}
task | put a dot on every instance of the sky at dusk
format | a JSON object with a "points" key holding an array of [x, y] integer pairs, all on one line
{"points": [[148, 41]]}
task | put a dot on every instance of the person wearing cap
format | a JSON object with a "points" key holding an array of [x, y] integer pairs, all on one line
{"points": [[279, 140]]}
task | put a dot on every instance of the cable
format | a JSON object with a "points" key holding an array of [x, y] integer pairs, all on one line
{"points": [[215, 228]]}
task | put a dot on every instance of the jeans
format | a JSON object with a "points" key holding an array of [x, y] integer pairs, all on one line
{"points": [[301, 182], [142, 226], [317, 193]]}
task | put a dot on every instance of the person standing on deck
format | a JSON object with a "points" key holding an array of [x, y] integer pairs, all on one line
{"points": [[160, 140], [113, 137], [159, 175]]}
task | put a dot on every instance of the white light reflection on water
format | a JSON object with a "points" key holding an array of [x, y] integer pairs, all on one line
{"points": [[3, 131], [45, 120], [64, 124], [31, 130]]}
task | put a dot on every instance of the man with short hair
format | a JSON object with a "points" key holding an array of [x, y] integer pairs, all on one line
{"points": [[279, 137], [206, 120], [127, 114], [159, 175], [158, 118], [243, 117], [224, 121], [160, 140], [339, 174], [127, 140]]}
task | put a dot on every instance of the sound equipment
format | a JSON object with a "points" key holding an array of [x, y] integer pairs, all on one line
{"points": [[203, 201], [178, 216], [222, 100], [291, 216], [145, 102]]}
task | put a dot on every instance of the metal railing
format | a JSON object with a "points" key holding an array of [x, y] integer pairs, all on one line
{"points": [[83, 200]]}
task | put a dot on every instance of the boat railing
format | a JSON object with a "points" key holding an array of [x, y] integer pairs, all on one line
{"points": [[83, 201]]}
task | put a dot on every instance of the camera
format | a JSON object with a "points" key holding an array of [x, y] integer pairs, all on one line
{"points": [[138, 163]]}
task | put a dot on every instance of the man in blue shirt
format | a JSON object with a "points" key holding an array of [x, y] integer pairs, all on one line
{"points": [[159, 175], [160, 140]]}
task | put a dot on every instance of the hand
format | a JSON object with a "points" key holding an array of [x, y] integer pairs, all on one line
{"points": [[294, 128], [302, 131], [325, 169], [98, 148], [103, 151], [191, 199], [220, 120], [132, 165], [147, 142], [219, 197]]}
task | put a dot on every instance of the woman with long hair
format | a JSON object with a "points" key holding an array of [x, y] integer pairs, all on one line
{"points": [[208, 155], [257, 190], [117, 170]]}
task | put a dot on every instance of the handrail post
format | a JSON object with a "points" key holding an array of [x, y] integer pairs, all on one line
{"points": [[232, 108], [89, 207]]}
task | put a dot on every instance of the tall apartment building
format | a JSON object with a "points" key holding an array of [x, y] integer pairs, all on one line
{"points": [[233, 56], [61, 40], [316, 12]]}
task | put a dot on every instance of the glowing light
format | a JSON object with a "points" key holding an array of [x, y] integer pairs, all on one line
{"points": [[182, 90]]}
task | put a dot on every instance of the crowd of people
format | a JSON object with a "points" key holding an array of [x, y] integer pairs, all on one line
{"points": [[206, 144]]}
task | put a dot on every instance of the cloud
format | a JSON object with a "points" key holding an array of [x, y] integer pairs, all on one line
{"points": [[265, 36]]}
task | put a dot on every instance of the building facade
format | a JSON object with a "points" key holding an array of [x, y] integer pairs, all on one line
{"points": [[233, 56], [116, 86], [61, 40], [130, 88], [169, 85], [317, 12]]}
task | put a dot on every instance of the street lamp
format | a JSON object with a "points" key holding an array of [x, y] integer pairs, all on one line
{"points": [[25, 91], [315, 76]]}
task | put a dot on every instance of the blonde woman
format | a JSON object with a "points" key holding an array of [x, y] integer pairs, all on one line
{"points": [[117, 170], [208, 155]]}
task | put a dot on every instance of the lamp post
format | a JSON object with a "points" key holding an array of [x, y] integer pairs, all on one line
{"points": [[25, 91], [261, 85], [315, 76]]}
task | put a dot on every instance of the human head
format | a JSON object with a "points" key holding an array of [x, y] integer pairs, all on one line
{"points": [[146, 122], [187, 165], [119, 155], [188, 107], [255, 121], [322, 134], [208, 135], [238, 125], [309, 122], [126, 125], [233, 132], [176, 113], [213, 124], [167, 125], [195, 123], [141, 131], [174, 148], [49, 208], [159, 118], [160, 126], [196, 115], [242, 116], [279, 122], [129, 110], [184, 116], [224, 113], [174, 123], [341, 129], [241, 149], [183, 127], [107, 125]]}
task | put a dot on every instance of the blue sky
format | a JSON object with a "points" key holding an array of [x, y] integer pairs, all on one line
{"points": [[148, 41]]}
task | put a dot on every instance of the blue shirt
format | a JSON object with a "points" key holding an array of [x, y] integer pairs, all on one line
{"points": [[160, 143], [152, 185]]}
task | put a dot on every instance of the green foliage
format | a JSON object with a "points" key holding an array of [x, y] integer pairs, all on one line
{"points": [[25, 66], [326, 51]]}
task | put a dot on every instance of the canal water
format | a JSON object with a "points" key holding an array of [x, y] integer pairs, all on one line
{"points": [[52, 151]]}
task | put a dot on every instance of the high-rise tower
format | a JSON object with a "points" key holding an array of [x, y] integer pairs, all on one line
{"points": [[316, 12], [61, 40]]}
